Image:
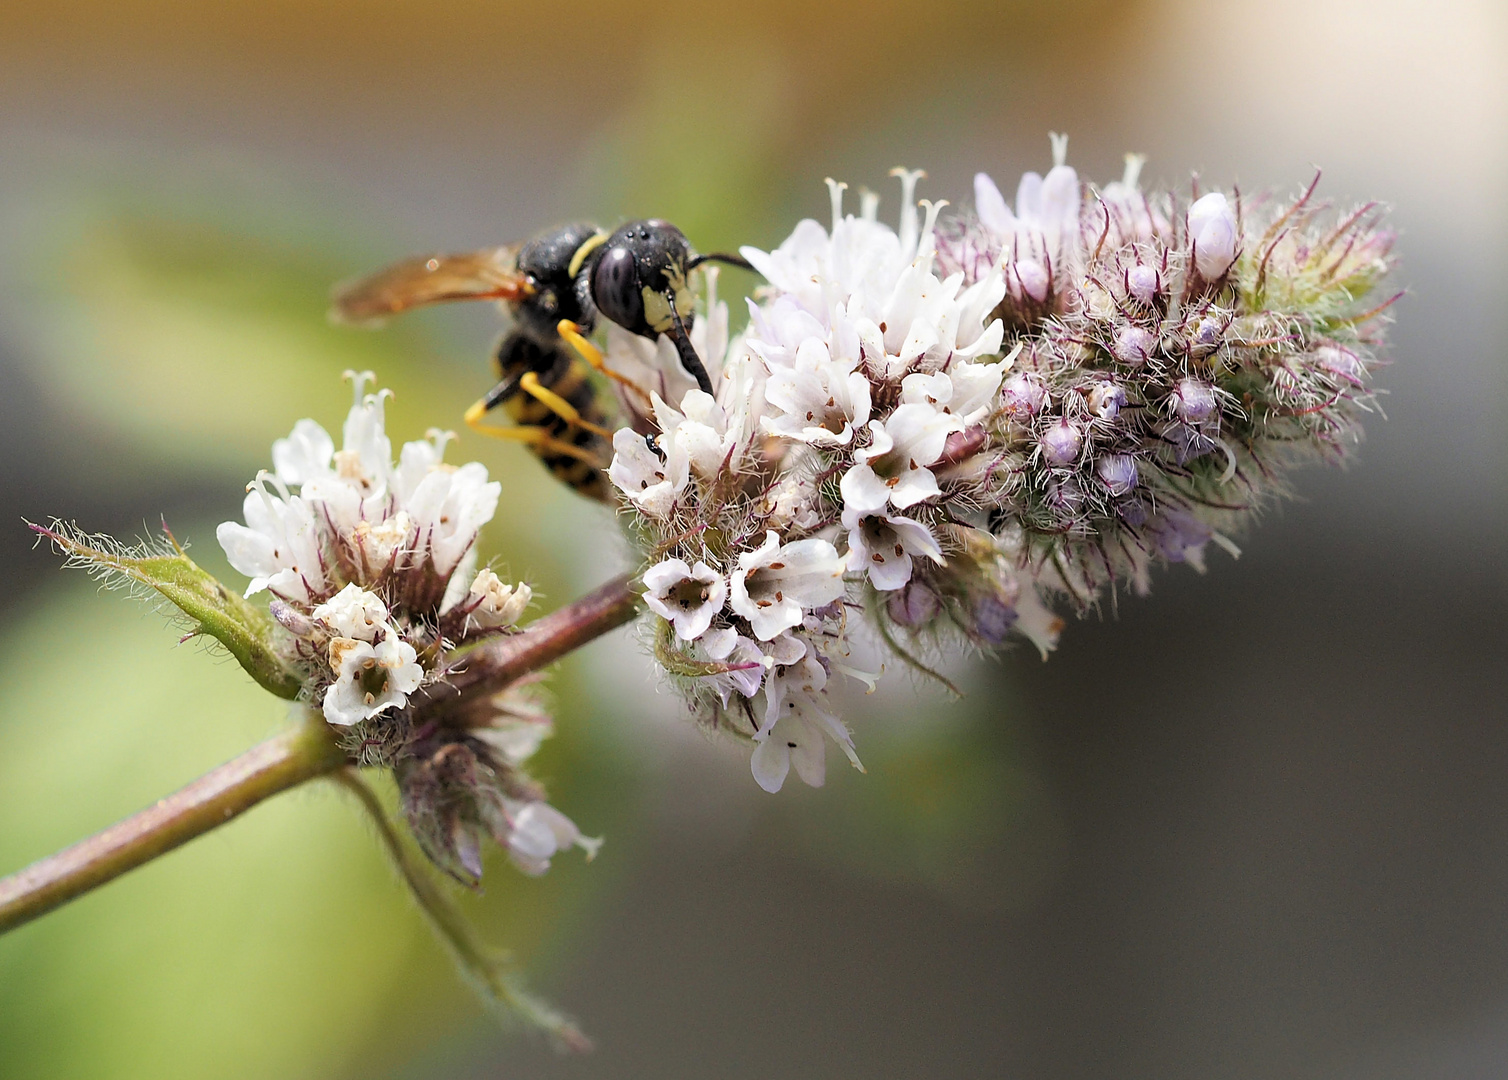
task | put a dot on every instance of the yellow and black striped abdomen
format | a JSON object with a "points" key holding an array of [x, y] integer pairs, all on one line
{"points": [[571, 380]]}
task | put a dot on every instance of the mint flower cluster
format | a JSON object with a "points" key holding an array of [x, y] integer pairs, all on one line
{"points": [[944, 428], [371, 566]]}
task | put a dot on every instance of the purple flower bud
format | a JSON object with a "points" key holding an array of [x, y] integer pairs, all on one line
{"points": [[1206, 336], [993, 619], [1106, 400], [1341, 362], [1117, 472], [291, 619], [913, 605], [1178, 536], [1023, 395], [1212, 232], [1133, 345], [1194, 401], [1061, 443], [1142, 283], [1028, 277]]}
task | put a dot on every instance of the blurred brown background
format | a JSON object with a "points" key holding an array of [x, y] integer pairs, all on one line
{"points": [[1255, 825]]}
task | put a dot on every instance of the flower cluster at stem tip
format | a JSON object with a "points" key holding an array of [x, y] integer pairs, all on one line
{"points": [[928, 438], [941, 430], [371, 566]]}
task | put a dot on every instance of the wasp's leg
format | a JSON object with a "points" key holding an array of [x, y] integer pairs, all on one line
{"points": [[593, 355], [558, 405], [540, 439]]}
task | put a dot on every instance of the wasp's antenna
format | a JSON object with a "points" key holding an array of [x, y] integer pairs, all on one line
{"points": [[722, 257], [689, 360]]}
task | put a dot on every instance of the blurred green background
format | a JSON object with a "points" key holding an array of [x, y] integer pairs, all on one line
{"points": [[1255, 825]]}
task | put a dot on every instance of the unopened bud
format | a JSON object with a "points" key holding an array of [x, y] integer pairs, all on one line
{"points": [[1134, 346], [1341, 362], [913, 605], [1194, 401], [291, 619], [1212, 232], [1061, 443], [1028, 277], [993, 619], [1205, 336], [1117, 472], [1142, 283], [1023, 395]]}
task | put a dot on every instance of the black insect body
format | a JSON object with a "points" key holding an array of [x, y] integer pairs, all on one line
{"points": [[556, 285]]}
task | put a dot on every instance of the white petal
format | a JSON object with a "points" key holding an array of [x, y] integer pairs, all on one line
{"points": [[770, 763]]}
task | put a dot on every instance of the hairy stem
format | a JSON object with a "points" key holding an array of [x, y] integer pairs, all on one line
{"points": [[290, 759], [488, 966], [280, 763], [491, 667]]}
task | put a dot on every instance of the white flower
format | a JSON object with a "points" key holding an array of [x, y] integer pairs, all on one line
{"points": [[882, 546], [538, 832], [449, 507], [775, 582], [796, 720], [353, 613], [304, 454], [1128, 212], [1212, 232], [497, 604], [371, 678], [699, 432], [821, 400], [688, 596], [380, 542], [280, 547], [744, 657], [892, 468], [964, 390], [792, 501], [793, 740], [650, 481], [1045, 225]]}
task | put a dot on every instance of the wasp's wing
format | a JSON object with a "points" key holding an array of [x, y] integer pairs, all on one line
{"points": [[490, 274]]}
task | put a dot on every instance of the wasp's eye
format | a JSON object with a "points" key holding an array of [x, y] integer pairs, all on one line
{"points": [[616, 289]]}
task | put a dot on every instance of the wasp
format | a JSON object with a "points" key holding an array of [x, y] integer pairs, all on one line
{"points": [[556, 287]]}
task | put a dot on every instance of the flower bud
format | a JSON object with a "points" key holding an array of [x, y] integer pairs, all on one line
{"points": [[1142, 282], [913, 605], [1134, 346], [290, 618], [992, 619], [1194, 401], [1023, 395], [1212, 232], [1340, 362], [1205, 336], [1028, 278], [1117, 472], [1106, 400], [1061, 443]]}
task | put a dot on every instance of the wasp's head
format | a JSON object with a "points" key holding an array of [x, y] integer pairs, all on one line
{"points": [[639, 273]]}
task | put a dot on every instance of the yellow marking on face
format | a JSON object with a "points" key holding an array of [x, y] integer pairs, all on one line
{"points": [[583, 251]]}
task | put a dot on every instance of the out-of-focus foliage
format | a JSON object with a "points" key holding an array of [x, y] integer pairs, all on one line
{"points": [[279, 946]]}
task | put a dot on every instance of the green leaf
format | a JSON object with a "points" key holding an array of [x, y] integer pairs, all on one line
{"points": [[244, 629]]}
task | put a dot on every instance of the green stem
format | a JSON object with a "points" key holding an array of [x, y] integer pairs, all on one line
{"points": [[485, 964], [268, 768], [290, 759]]}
